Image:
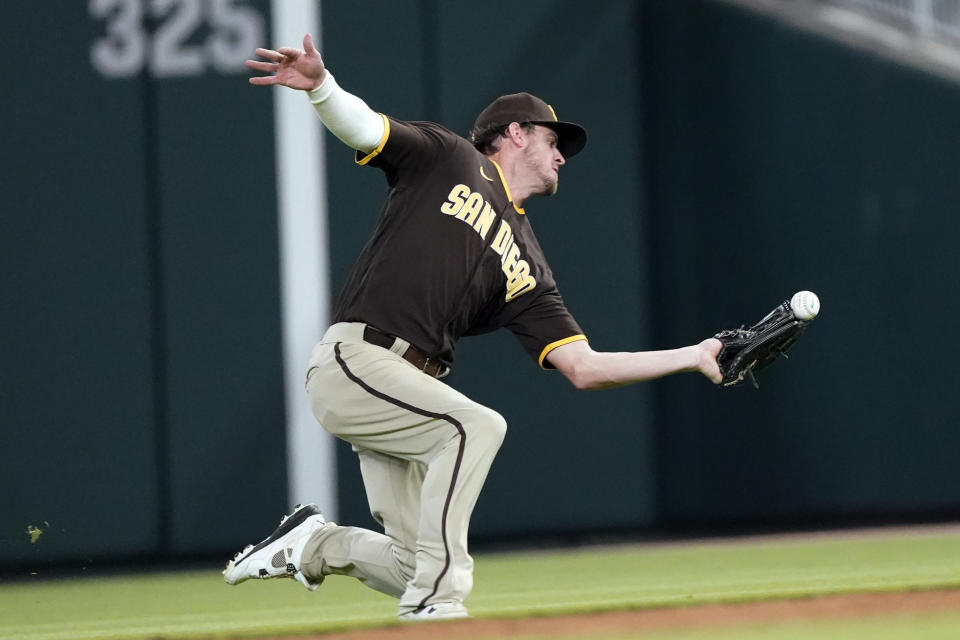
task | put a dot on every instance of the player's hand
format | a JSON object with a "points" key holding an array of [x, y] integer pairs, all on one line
{"points": [[708, 350], [290, 67]]}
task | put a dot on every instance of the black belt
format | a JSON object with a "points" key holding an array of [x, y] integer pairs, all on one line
{"points": [[430, 366]]}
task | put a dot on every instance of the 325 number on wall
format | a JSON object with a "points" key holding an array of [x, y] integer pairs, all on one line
{"points": [[174, 38]]}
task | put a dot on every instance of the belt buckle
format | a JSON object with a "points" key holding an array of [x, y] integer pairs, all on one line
{"points": [[426, 363]]}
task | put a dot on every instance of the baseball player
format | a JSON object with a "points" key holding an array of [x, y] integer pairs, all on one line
{"points": [[453, 254]]}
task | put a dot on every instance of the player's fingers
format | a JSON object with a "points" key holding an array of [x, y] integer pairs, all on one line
{"points": [[263, 81], [258, 65], [308, 44], [269, 54], [289, 52]]}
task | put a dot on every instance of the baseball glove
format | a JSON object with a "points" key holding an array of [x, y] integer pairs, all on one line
{"points": [[747, 350]]}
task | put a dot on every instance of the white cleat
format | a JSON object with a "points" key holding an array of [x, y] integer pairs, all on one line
{"points": [[439, 611], [278, 555]]}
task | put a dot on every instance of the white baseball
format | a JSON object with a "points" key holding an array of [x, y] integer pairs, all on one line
{"points": [[805, 305]]}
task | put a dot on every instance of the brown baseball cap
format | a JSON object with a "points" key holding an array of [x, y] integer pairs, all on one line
{"points": [[525, 107]]}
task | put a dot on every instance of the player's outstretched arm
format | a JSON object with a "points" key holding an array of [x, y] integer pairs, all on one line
{"points": [[589, 369], [343, 114], [290, 67]]}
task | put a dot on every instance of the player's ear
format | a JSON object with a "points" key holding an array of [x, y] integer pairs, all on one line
{"points": [[516, 134]]}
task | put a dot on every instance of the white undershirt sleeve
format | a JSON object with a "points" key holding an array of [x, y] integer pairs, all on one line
{"points": [[347, 116]]}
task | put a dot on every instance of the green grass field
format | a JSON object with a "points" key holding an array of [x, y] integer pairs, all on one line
{"points": [[197, 604]]}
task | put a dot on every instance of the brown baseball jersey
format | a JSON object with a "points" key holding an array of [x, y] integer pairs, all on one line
{"points": [[451, 254]]}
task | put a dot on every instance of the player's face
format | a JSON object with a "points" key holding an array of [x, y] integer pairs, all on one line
{"points": [[543, 159]]}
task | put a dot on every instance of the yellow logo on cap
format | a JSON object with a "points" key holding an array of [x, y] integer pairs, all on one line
{"points": [[553, 112]]}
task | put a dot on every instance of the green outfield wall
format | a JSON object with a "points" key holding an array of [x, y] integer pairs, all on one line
{"points": [[141, 399], [732, 161], [778, 161]]}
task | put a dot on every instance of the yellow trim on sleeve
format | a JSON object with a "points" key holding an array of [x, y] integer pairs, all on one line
{"points": [[383, 141], [507, 189], [559, 343]]}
